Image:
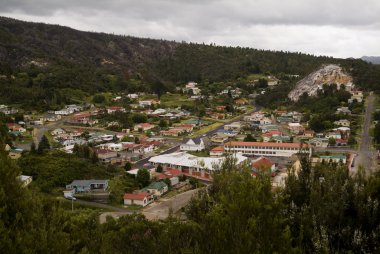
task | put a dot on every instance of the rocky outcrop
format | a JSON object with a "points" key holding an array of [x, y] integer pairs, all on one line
{"points": [[328, 74]]}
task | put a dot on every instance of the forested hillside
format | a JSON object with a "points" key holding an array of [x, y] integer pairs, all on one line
{"points": [[49, 63]]}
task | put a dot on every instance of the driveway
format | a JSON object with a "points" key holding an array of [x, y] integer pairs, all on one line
{"points": [[161, 210]]}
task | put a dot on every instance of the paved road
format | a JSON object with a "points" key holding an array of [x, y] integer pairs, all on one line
{"points": [[365, 153], [161, 210]]}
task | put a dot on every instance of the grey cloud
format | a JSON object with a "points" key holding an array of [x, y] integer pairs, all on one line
{"points": [[334, 27]]}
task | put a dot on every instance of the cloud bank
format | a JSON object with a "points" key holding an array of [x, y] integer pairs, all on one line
{"points": [[325, 27]]}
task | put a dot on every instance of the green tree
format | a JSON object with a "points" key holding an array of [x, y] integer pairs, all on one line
{"points": [[159, 169], [128, 166], [143, 177], [249, 138], [43, 145], [99, 98]]}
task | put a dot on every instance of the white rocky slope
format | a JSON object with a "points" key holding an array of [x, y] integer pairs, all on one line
{"points": [[328, 74]]}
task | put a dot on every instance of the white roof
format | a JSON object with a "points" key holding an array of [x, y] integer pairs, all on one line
{"points": [[294, 124], [188, 160]]}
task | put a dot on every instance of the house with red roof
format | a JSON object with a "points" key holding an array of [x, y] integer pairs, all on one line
{"points": [[263, 164], [15, 127], [143, 126], [140, 198], [217, 151], [114, 109]]}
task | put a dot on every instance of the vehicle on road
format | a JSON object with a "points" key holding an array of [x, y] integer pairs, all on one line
{"points": [[71, 198]]}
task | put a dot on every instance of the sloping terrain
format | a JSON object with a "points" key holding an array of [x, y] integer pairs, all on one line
{"points": [[328, 74]]}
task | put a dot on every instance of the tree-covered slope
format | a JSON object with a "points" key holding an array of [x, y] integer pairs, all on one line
{"points": [[38, 61]]}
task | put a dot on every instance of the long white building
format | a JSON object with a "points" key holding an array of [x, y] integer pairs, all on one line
{"points": [[191, 165], [266, 148]]}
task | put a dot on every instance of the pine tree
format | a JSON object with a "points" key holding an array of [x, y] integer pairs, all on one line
{"points": [[43, 145]]}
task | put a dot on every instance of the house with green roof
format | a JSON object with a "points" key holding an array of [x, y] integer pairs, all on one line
{"points": [[156, 188]]}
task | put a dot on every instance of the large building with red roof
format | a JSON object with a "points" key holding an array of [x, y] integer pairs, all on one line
{"points": [[266, 148]]}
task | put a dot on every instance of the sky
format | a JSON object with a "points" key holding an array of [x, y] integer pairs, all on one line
{"points": [[339, 28]]}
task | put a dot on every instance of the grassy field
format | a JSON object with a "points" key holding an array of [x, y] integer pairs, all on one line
{"points": [[206, 129], [175, 100]]}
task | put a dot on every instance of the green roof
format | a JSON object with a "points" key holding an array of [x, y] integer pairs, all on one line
{"points": [[335, 156], [156, 185]]}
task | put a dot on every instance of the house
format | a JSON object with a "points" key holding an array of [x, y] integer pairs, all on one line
{"points": [[193, 145], [219, 138], [15, 154], [335, 135], [268, 127], [148, 103], [356, 95], [217, 151], [343, 110], [64, 112], [15, 127], [319, 142], [114, 109], [132, 96], [74, 107], [57, 131], [295, 128], [87, 185], [343, 123], [263, 164], [157, 188], [26, 180], [104, 155], [265, 120], [341, 142], [235, 126], [143, 127], [309, 134], [50, 118], [141, 198], [220, 108]]}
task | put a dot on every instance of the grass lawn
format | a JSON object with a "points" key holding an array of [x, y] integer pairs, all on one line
{"points": [[133, 207], [207, 129], [175, 100]]}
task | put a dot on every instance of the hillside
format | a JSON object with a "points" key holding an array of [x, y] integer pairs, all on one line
{"points": [[44, 64], [372, 59], [328, 74]]}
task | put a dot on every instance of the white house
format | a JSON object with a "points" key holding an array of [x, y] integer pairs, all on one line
{"points": [[342, 122], [64, 112], [191, 145], [58, 131], [141, 198]]}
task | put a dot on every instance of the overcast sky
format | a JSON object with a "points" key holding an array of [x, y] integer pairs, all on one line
{"points": [[340, 28]]}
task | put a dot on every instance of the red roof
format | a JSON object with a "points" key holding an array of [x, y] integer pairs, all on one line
{"points": [[217, 149], [173, 172], [264, 144], [136, 196], [262, 163], [272, 133], [144, 124], [103, 151]]}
